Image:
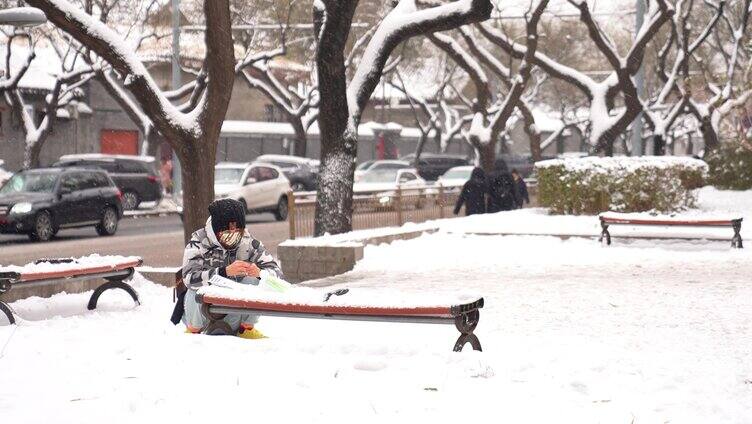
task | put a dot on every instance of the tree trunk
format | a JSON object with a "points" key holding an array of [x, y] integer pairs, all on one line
{"points": [[419, 149], [339, 134], [31, 154], [659, 145], [197, 171], [301, 138], [709, 136], [334, 200], [487, 156]]}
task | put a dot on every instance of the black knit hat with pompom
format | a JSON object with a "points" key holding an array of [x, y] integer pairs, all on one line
{"points": [[225, 211]]}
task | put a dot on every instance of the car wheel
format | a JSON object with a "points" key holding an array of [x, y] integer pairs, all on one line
{"points": [[43, 228], [298, 186], [281, 213], [130, 201], [109, 223]]}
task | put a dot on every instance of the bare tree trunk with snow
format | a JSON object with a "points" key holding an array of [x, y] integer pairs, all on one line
{"points": [[341, 106], [191, 129]]}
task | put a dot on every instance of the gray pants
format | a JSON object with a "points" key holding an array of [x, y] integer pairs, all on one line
{"points": [[195, 321]]}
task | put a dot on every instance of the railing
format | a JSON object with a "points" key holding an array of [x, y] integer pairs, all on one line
{"points": [[377, 209]]}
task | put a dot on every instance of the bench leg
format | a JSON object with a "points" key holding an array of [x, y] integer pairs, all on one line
{"points": [[605, 234], [114, 283], [736, 241], [466, 324], [4, 308], [215, 326]]}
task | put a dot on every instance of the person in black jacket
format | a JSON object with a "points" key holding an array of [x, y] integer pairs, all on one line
{"points": [[473, 194], [521, 189], [502, 192]]}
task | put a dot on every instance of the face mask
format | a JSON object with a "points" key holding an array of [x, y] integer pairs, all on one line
{"points": [[230, 238]]}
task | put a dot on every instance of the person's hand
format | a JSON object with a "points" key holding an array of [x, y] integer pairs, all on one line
{"points": [[242, 269]]}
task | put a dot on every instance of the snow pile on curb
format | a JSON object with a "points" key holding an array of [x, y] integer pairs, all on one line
{"points": [[607, 165], [90, 261]]}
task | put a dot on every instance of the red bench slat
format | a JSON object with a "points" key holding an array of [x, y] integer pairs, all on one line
{"points": [[438, 311], [639, 221], [35, 276]]}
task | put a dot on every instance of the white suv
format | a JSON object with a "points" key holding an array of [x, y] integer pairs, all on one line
{"points": [[260, 187]]}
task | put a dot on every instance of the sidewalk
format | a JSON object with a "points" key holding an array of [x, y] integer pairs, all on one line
{"points": [[166, 206]]}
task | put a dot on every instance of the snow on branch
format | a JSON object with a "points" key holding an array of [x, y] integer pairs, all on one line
{"points": [[110, 46], [404, 21]]}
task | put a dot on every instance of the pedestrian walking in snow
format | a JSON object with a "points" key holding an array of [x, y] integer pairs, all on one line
{"points": [[473, 194], [225, 248], [521, 189], [502, 192]]}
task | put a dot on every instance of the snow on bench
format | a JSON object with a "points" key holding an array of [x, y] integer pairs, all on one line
{"points": [[636, 219], [345, 304], [115, 270]]}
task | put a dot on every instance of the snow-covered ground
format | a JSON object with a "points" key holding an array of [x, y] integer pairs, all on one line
{"points": [[643, 331]]}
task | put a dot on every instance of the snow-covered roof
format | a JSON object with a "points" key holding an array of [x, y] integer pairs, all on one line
{"points": [[102, 156], [232, 128], [42, 70], [285, 158]]}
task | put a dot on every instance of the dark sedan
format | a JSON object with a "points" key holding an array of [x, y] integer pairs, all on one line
{"points": [[40, 202]]}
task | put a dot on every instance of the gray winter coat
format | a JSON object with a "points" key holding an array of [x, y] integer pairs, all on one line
{"points": [[204, 257]]}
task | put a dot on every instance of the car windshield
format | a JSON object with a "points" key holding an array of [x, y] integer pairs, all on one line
{"points": [[228, 175], [365, 165], [457, 174], [35, 182], [380, 176]]}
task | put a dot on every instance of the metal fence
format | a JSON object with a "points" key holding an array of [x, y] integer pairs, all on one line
{"points": [[377, 209]]}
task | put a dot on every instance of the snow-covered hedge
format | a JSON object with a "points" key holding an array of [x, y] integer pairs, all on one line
{"points": [[731, 166], [624, 184]]}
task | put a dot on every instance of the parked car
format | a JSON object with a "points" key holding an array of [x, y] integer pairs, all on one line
{"points": [[456, 177], [260, 187], [4, 175], [40, 202], [135, 176], [431, 165], [379, 165], [384, 183], [303, 173]]}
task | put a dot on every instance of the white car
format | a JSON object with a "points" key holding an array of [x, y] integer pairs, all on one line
{"points": [[383, 184], [455, 177], [260, 187], [379, 165]]}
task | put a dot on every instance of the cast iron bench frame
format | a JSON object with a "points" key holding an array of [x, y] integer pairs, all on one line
{"points": [[115, 277], [735, 224], [465, 316]]}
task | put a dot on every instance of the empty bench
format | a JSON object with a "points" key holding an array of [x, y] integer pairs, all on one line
{"points": [[115, 271], [217, 302], [612, 218]]}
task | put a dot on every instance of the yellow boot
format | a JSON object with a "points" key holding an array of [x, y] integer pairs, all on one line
{"points": [[250, 333]]}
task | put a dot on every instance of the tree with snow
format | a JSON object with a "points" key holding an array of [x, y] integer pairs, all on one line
{"points": [[341, 104], [490, 118], [66, 92], [608, 120], [192, 129]]}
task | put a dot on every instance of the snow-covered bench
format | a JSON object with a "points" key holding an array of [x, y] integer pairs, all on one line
{"points": [[115, 270], [355, 304], [636, 219]]}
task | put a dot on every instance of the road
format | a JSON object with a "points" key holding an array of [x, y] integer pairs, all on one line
{"points": [[158, 240]]}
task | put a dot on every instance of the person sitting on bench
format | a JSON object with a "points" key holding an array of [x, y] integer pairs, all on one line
{"points": [[225, 248]]}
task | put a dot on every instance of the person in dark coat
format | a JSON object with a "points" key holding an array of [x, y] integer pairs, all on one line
{"points": [[502, 192], [473, 194], [521, 189]]}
